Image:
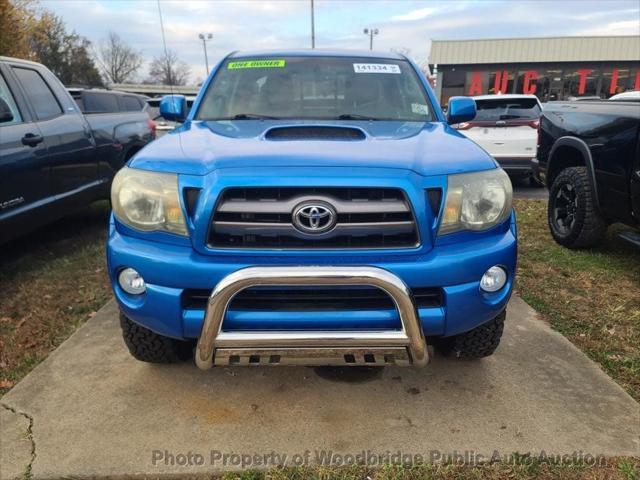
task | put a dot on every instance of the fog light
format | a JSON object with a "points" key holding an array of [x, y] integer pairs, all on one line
{"points": [[493, 279], [131, 281]]}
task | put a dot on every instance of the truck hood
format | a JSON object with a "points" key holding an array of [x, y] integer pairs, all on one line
{"points": [[198, 148]]}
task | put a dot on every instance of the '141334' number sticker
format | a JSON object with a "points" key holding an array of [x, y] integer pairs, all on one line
{"points": [[375, 68]]}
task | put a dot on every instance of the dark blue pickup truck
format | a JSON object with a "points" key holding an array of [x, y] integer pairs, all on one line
{"points": [[54, 159]]}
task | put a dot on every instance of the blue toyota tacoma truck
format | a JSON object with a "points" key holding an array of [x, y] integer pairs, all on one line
{"points": [[315, 208]]}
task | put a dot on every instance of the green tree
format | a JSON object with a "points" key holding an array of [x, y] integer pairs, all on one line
{"points": [[65, 54], [30, 32], [81, 69], [18, 22]]}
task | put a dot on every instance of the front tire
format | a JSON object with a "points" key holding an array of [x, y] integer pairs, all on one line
{"points": [[574, 220], [480, 342], [148, 346]]}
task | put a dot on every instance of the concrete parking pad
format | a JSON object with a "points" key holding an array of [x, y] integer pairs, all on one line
{"points": [[97, 412], [16, 446]]}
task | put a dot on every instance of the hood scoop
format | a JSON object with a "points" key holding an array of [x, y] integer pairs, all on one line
{"points": [[315, 132]]}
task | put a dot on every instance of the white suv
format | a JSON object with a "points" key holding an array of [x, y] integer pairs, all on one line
{"points": [[506, 126]]}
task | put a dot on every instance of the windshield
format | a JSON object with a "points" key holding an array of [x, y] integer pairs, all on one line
{"points": [[507, 109], [316, 88]]}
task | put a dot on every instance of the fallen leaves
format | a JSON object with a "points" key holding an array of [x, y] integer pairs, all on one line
{"points": [[40, 306], [4, 383]]}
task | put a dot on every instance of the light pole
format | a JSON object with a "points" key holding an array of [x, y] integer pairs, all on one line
{"points": [[313, 28], [204, 37], [371, 32]]}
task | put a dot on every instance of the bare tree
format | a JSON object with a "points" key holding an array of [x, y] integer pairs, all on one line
{"points": [[168, 70], [118, 61]]}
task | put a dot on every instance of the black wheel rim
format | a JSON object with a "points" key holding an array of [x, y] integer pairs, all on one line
{"points": [[565, 208]]}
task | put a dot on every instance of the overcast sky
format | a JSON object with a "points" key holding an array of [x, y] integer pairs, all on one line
{"points": [[256, 24]]}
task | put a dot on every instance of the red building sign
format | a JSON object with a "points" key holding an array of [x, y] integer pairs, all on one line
{"points": [[529, 82]]}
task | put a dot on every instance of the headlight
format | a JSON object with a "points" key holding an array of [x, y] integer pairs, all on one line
{"points": [[476, 201], [148, 201]]}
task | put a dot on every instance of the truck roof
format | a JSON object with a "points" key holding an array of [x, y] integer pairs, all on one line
{"points": [[20, 60], [78, 90], [317, 52]]}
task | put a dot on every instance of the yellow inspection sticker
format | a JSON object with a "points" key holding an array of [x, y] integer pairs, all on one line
{"points": [[256, 64]]}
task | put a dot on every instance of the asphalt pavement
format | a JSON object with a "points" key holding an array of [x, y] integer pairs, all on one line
{"points": [[524, 190]]}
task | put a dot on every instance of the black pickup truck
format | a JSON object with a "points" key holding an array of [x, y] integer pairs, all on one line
{"points": [[589, 154], [54, 159]]}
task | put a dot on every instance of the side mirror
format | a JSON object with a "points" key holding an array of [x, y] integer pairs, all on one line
{"points": [[461, 109], [174, 108], [6, 115]]}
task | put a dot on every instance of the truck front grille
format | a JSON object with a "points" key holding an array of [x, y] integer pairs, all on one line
{"points": [[313, 299], [264, 218]]}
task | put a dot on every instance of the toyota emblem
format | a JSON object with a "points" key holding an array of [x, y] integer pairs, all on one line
{"points": [[314, 217]]}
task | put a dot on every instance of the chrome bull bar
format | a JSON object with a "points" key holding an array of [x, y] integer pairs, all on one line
{"points": [[217, 347]]}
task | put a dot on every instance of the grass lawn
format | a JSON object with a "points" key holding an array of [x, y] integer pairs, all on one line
{"points": [[590, 296], [52, 281], [614, 469], [55, 279]]}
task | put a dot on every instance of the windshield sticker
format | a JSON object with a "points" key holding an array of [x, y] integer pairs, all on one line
{"points": [[420, 109], [375, 68], [256, 64]]}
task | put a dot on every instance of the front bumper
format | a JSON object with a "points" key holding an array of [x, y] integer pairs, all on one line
{"points": [[454, 266], [518, 165], [404, 346]]}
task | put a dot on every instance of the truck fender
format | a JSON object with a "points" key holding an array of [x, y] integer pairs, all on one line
{"points": [[123, 132], [579, 145]]}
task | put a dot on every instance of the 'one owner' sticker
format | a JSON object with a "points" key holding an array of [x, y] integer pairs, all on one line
{"points": [[375, 68], [256, 64]]}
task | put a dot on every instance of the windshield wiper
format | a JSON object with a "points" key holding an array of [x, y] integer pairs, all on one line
{"points": [[252, 116], [355, 116]]}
